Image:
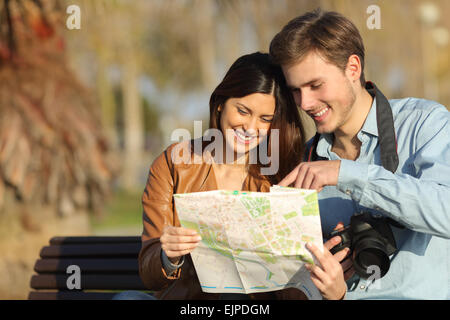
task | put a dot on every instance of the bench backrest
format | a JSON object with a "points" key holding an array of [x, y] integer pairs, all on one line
{"points": [[105, 264]]}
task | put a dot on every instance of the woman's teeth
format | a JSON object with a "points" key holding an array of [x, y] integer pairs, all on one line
{"points": [[243, 136]]}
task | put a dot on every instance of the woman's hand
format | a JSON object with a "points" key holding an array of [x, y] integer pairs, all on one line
{"points": [[330, 279], [178, 241]]}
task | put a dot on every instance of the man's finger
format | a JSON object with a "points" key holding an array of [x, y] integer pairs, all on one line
{"points": [[301, 176], [340, 225], [307, 180], [290, 178]]}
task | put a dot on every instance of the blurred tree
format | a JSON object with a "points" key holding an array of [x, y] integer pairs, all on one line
{"points": [[52, 148]]}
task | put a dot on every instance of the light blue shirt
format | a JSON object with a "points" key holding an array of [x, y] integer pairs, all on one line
{"points": [[417, 196]]}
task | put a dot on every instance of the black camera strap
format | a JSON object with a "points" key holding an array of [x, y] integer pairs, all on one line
{"points": [[386, 137], [386, 132]]}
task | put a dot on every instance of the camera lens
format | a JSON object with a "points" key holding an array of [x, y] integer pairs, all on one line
{"points": [[370, 252]]}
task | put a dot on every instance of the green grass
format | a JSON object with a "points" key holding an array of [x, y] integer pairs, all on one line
{"points": [[124, 209]]}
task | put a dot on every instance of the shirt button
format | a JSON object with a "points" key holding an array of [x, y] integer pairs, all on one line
{"points": [[362, 287], [348, 192]]}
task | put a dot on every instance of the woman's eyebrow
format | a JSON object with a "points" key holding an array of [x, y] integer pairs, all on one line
{"points": [[250, 110], [242, 105]]}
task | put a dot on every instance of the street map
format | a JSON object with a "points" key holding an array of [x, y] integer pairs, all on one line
{"points": [[253, 241]]}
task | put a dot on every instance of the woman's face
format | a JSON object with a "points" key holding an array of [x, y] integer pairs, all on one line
{"points": [[245, 121]]}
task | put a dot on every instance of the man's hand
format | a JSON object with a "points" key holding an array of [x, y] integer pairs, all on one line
{"points": [[313, 175]]}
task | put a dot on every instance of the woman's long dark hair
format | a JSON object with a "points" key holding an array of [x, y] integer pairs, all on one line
{"points": [[255, 73]]}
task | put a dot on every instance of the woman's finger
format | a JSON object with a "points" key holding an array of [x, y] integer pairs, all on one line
{"points": [[331, 243], [340, 255], [176, 254], [318, 272], [178, 246], [319, 285], [180, 239], [322, 257], [180, 231]]}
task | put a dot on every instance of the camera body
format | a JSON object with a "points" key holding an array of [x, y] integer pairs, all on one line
{"points": [[371, 242]]}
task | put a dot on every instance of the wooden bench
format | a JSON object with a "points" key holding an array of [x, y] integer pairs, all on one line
{"points": [[108, 265]]}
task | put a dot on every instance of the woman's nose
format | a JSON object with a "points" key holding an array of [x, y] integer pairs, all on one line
{"points": [[251, 125]]}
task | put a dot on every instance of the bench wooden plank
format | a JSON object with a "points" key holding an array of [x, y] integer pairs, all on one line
{"points": [[70, 295], [91, 250], [88, 265], [94, 240], [89, 282]]}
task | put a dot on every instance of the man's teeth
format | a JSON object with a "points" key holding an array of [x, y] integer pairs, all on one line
{"points": [[318, 114], [243, 136]]}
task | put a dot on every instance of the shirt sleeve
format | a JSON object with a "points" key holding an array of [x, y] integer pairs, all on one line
{"points": [[418, 201], [169, 267]]}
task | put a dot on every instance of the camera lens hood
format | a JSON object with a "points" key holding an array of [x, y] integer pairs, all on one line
{"points": [[370, 253]]}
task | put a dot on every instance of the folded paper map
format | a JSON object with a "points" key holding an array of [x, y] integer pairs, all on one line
{"points": [[253, 241]]}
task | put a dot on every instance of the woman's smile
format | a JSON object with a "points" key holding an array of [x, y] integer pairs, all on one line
{"points": [[243, 138]]}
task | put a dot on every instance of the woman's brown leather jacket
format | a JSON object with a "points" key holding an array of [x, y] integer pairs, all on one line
{"points": [[167, 177]]}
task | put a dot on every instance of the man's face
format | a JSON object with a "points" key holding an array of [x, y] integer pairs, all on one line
{"points": [[322, 90]]}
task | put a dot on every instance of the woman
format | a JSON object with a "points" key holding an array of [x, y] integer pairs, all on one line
{"points": [[251, 100]]}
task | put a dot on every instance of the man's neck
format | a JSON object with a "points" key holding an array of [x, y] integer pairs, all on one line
{"points": [[346, 144]]}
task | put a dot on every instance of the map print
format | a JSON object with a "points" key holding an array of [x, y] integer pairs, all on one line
{"points": [[253, 241]]}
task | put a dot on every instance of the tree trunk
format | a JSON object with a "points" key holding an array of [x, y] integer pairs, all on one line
{"points": [[133, 126]]}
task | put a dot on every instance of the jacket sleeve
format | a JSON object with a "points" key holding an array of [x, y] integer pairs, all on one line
{"points": [[157, 202]]}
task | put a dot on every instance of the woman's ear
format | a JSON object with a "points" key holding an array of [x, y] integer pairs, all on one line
{"points": [[219, 108]]}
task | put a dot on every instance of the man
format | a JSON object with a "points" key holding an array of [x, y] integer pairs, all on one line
{"points": [[406, 179]]}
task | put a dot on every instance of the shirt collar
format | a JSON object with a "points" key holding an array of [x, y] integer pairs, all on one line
{"points": [[370, 126]]}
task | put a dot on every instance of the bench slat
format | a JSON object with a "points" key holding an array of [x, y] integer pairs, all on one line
{"points": [[91, 250], [94, 240], [70, 295], [88, 265], [89, 282]]}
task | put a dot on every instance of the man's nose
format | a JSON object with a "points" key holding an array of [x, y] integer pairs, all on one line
{"points": [[305, 100]]}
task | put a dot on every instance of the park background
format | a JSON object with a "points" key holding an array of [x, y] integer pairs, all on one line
{"points": [[84, 112]]}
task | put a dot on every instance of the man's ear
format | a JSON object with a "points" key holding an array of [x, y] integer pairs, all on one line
{"points": [[353, 69]]}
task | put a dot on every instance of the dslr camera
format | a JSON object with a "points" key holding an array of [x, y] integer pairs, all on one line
{"points": [[370, 240]]}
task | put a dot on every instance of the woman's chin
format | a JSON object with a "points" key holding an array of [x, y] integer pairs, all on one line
{"points": [[242, 149]]}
